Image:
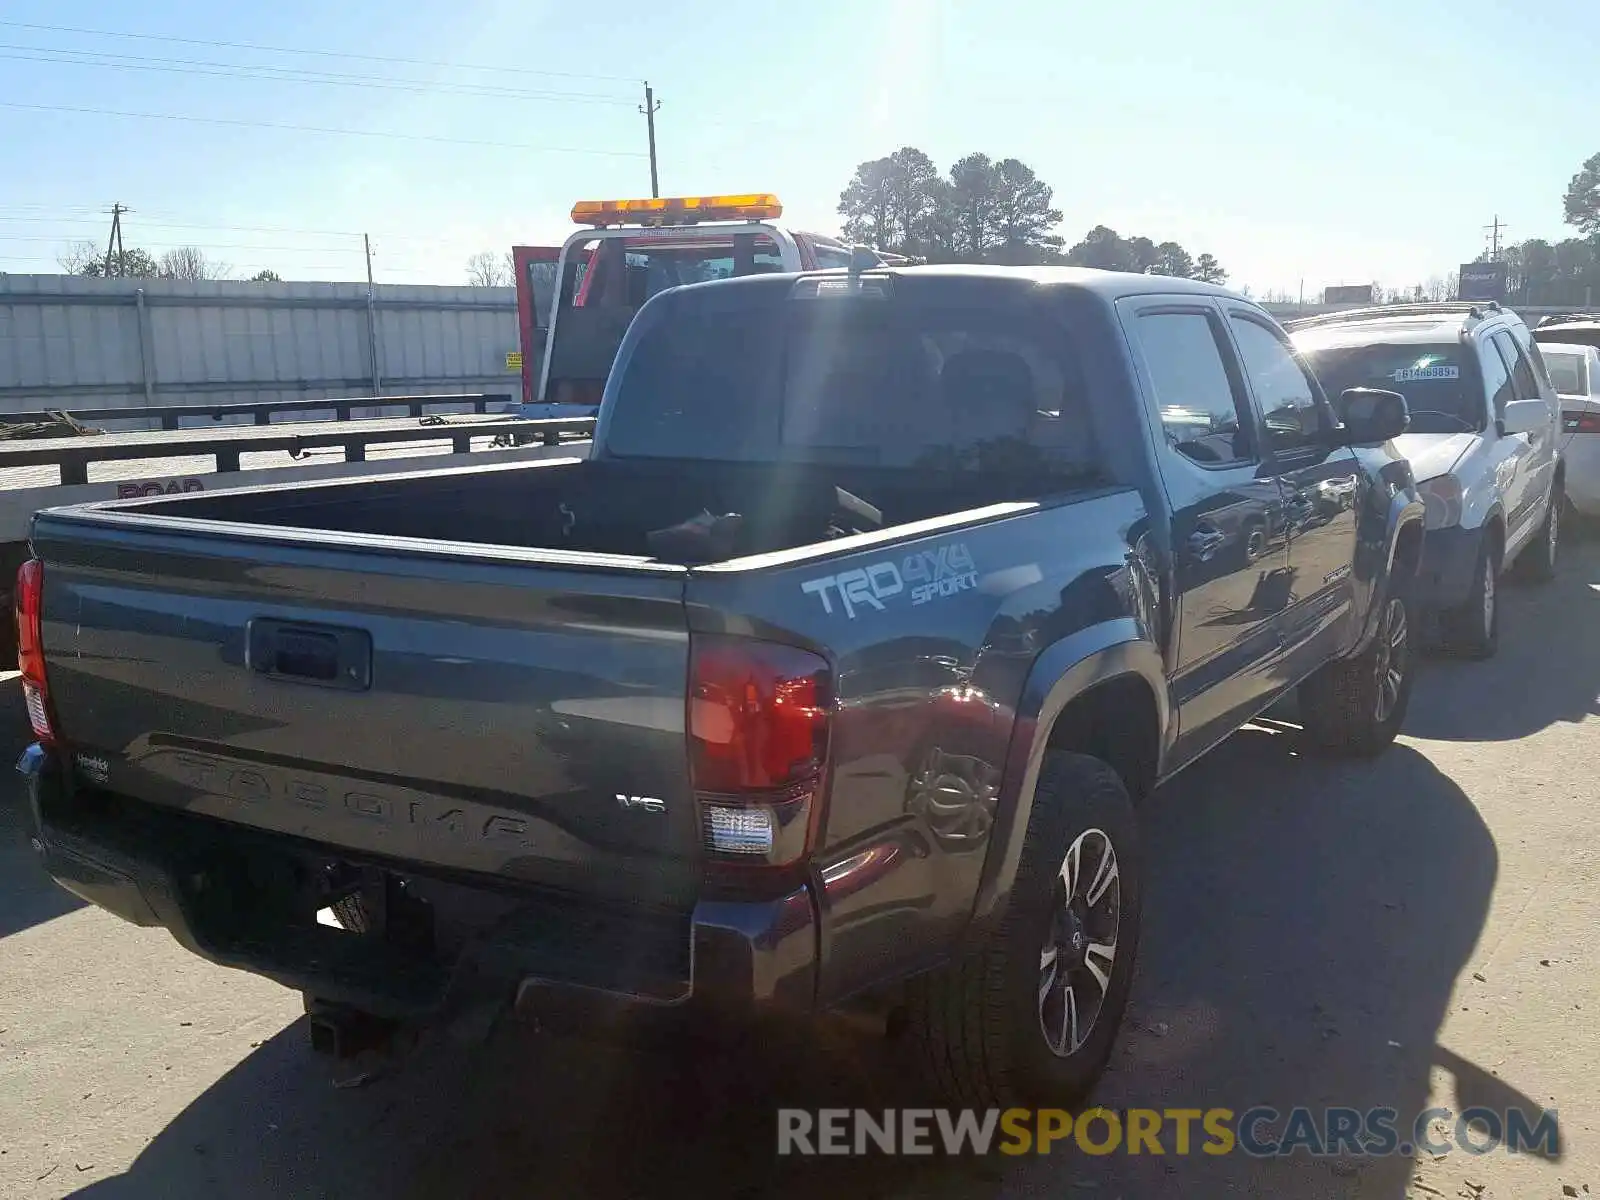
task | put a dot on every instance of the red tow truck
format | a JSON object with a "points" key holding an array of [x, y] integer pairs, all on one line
{"points": [[574, 301]]}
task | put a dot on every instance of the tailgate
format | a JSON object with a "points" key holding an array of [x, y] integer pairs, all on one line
{"points": [[503, 715]]}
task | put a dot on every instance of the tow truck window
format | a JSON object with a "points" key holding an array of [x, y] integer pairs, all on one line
{"points": [[625, 272], [830, 256], [857, 382], [542, 287]]}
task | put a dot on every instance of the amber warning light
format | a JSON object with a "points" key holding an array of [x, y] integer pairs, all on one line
{"points": [[678, 210]]}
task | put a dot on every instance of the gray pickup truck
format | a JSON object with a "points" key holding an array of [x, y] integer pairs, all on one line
{"points": [[834, 675]]}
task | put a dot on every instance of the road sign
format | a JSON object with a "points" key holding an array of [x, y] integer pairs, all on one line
{"points": [[1483, 281], [1355, 293], [514, 360]]}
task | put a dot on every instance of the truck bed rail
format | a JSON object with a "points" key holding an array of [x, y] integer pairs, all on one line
{"points": [[72, 455], [262, 411]]}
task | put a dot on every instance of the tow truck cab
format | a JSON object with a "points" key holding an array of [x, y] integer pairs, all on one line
{"points": [[576, 300]]}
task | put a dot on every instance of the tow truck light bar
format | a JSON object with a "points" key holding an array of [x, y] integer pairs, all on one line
{"points": [[677, 210]]}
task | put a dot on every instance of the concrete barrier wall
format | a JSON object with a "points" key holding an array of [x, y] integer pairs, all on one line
{"points": [[68, 340]]}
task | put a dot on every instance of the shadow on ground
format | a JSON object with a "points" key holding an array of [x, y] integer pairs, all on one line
{"points": [[1546, 672], [1305, 925], [27, 895]]}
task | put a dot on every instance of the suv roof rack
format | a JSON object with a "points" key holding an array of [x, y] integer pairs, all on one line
{"points": [[1565, 319], [1471, 309]]}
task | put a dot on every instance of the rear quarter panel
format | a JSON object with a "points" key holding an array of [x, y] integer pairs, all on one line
{"points": [[932, 631]]}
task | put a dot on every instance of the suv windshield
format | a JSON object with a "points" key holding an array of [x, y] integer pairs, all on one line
{"points": [[855, 381], [1440, 385]]}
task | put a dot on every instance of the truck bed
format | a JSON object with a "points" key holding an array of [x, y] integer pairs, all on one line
{"points": [[603, 506]]}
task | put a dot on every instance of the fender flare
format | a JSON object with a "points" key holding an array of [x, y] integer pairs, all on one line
{"points": [[1063, 671], [1405, 509]]}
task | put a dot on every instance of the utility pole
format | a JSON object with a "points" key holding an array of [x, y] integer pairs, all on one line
{"points": [[1494, 244], [372, 319], [650, 107], [115, 240]]}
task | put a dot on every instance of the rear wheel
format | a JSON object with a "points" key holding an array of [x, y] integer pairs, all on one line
{"points": [[1355, 706], [1031, 1017], [1474, 627], [1538, 561], [351, 913]]}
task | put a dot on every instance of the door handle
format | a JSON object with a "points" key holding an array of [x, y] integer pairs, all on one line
{"points": [[1204, 543]]}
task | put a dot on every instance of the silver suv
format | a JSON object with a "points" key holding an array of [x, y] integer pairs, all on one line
{"points": [[1483, 443]]}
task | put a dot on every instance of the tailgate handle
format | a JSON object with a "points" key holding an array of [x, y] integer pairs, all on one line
{"points": [[321, 654]]}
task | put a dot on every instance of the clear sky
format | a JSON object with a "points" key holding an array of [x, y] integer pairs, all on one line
{"points": [[1350, 141]]}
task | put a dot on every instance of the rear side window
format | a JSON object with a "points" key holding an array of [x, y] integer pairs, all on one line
{"points": [[829, 257], [868, 381], [1524, 340], [1203, 417], [1523, 382], [1496, 378], [1568, 373]]}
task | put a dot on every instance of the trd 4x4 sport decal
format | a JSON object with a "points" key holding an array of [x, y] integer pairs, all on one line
{"points": [[923, 576]]}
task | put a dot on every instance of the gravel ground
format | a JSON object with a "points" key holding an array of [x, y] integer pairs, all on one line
{"points": [[1413, 931]]}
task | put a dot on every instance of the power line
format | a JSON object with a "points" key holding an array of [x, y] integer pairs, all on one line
{"points": [[98, 221], [149, 245], [383, 58], [372, 133], [178, 66]]}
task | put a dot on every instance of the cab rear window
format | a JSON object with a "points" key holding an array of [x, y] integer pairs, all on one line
{"points": [[869, 382]]}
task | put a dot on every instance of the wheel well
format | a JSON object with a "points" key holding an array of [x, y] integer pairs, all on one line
{"points": [[1495, 529], [1116, 722], [1408, 549]]}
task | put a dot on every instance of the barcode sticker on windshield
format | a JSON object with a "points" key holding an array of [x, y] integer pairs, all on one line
{"points": [[1407, 374]]}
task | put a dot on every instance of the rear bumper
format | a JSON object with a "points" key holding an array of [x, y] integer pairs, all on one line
{"points": [[1582, 457], [1449, 567], [236, 896]]}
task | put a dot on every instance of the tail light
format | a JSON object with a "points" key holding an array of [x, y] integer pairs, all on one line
{"points": [[1580, 421], [760, 714], [30, 648]]}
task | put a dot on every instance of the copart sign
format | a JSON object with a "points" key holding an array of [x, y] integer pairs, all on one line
{"points": [[913, 580]]}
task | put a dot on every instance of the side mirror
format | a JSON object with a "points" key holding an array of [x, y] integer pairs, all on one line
{"points": [[1524, 416], [1369, 416]]}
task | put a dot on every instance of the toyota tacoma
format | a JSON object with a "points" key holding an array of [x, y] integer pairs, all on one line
{"points": [[836, 673]]}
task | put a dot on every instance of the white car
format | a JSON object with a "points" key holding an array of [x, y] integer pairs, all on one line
{"points": [[1484, 444], [1575, 372]]}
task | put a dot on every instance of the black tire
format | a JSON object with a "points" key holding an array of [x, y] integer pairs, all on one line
{"points": [[1345, 707], [1473, 629], [351, 913], [979, 1024], [1537, 562]]}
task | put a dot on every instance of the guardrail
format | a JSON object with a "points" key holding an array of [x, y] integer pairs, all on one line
{"points": [[72, 455], [171, 414]]}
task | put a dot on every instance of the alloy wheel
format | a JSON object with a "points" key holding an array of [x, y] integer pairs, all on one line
{"points": [[1080, 948], [1394, 652], [1490, 597]]}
